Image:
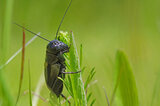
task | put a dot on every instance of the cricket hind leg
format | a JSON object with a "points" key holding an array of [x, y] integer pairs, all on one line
{"points": [[71, 72], [63, 72], [66, 99]]}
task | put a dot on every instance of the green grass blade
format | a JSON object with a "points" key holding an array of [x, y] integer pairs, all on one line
{"points": [[92, 103], [77, 83], [29, 76], [156, 93], [89, 96], [81, 51], [89, 78], [5, 38], [75, 80], [126, 81]]}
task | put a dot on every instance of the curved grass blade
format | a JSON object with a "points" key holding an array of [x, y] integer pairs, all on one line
{"points": [[89, 78], [93, 101], [156, 92], [89, 96], [22, 66], [126, 83]]}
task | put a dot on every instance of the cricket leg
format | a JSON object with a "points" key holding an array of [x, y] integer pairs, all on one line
{"points": [[66, 99], [63, 72]]}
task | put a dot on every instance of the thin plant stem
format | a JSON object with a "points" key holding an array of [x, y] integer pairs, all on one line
{"points": [[29, 75], [16, 53], [22, 66], [38, 89]]}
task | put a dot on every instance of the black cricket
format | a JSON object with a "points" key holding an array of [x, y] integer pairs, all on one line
{"points": [[55, 61], [55, 65]]}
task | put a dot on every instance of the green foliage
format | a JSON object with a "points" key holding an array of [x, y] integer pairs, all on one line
{"points": [[89, 78], [74, 82], [92, 103], [4, 40], [126, 81]]}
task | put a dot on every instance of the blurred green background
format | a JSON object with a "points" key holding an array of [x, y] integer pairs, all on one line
{"points": [[102, 26]]}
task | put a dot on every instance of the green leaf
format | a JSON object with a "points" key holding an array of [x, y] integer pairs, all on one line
{"points": [[89, 96], [77, 83], [89, 78], [92, 103], [126, 81], [73, 65]]}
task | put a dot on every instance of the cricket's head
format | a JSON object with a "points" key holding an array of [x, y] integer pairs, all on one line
{"points": [[56, 46]]}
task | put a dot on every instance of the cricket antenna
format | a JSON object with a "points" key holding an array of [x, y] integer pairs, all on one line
{"points": [[32, 32], [63, 18]]}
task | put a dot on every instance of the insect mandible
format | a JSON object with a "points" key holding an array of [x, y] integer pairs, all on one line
{"points": [[54, 61]]}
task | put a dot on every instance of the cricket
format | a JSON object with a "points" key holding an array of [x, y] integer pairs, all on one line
{"points": [[55, 62], [79, 53]]}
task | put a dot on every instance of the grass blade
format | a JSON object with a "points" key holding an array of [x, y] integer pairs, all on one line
{"points": [[89, 96], [89, 78], [156, 92], [22, 66], [5, 38], [16, 53], [81, 51], [29, 76], [77, 83], [2, 79], [126, 81], [92, 103], [77, 87]]}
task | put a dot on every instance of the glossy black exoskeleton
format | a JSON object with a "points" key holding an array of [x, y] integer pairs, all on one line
{"points": [[55, 65]]}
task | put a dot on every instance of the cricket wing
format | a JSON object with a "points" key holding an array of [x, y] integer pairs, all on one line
{"points": [[51, 73]]}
